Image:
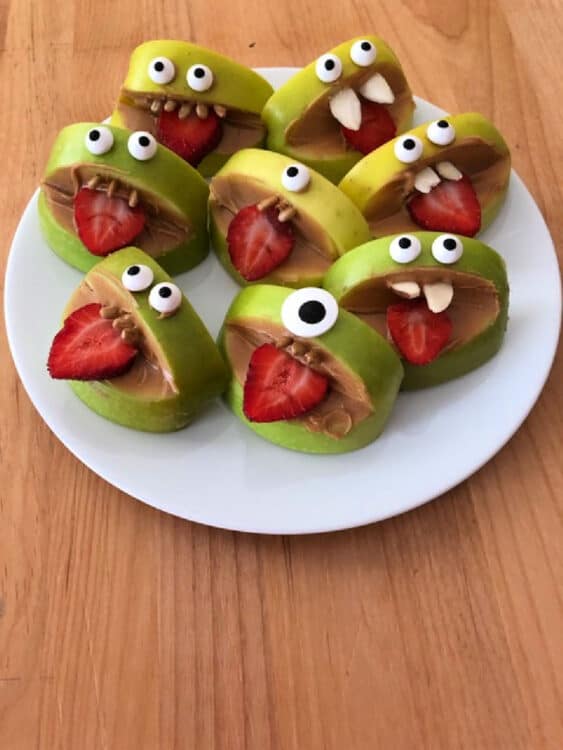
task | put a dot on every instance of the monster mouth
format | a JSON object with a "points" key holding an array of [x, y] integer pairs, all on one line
{"points": [[470, 302], [347, 401], [236, 129], [313, 251], [318, 132], [162, 230]]}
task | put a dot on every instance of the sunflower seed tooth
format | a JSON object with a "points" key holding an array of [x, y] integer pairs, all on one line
{"points": [[130, 335], [133, 198], [112, 188], [185, 110], [201, 110], [109, 312], [220, 110], [170, 105], [267, 202], [94, 182], [286, 214], [124, 321], [156, 106]]}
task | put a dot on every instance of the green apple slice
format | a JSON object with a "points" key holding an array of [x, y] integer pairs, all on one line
{"points": [[236, 92], [363, 371], [178, 368], [473, 291], [326, 223], [172, 194], [299, 118], [381, 183]]}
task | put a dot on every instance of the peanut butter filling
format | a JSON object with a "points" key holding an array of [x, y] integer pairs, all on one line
{"points": [[317, 133], [240, 129], [313, 251], [163, 230], [348, 402], [474, 307], [150, 375], [488, 171]]}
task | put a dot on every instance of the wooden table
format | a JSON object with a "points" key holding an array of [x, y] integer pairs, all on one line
{"points": [[121, 627]]}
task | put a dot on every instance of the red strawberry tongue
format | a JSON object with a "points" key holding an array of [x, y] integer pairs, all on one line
{"points": [[191, 138], [419, 334], [451, 206], [106, 224], [376, 129]]}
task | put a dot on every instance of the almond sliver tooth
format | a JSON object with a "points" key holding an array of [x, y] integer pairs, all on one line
{"points": [[408, 289], [376, 89], [345, 107], [448, 171], [438, 295], [426, 179]]}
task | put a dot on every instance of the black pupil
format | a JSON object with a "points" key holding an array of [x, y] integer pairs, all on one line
{"points": [[165, 291], [404, 242], [450, 244], [199, 72], [409, 144], [292, 171], [94, 135], [133, 270], [329, 64], [159, 66], [442, 123], [144, 141], [366, 46], [312, 311]]}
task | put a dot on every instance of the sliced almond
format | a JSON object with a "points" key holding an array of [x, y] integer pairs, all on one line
{"points": [[438, 295], [345, 107], [408, 289], [426, 179], [448, 171], [376, 89]]}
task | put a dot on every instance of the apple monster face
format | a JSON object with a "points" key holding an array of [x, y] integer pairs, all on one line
{"points": [[340, 107], [275, 221], [304, 373], [200, 104], [441, 299], [450, 175], [133, 348], [105, 188]]}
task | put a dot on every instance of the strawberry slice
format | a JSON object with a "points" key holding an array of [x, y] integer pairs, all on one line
{"points": [[105, 224], [88, 347], [191, 138], [418, 333], [258, 241], [376, 129], [452, 206], [279, 387]]}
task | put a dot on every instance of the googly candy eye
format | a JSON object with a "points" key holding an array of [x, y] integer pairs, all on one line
{"points": [[165, 297], [405, 249], [328, 68], [99, 140], [309, 312], [447, 248], [161, 70], [440, 132], [408, 148], [296, 178], [199, 77], [137, 278], [363, 53], [142, 145]]}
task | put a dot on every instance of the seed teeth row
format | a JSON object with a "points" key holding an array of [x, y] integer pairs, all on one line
{"points": [[185, 107]]}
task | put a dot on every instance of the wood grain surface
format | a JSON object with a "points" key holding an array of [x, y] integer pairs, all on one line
{"points": [[121, 627]]}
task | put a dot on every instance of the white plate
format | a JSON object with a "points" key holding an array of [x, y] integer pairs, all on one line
{"points": [[220, 473]]}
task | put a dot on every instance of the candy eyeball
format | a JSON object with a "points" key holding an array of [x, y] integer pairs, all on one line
{"points": [[99, 140], [309, 312], [199, 77], [447, 248], [165, 298], [137, 278], [405, 249], [296, 178], [142, 145], [441, 133], [363, 53], [161, 70], [328, 68], [408, 148]]}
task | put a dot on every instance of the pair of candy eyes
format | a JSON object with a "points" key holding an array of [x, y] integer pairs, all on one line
{"points": [[447, 248], [164, 297], [329, 67], [141, 145], [409, 148], [162, 70]]}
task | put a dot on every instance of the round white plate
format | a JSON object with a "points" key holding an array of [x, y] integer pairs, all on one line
{"points": [[220, 473]]}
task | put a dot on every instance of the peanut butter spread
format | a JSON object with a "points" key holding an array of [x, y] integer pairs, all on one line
{"points": [[348, 401], [163, 231], [313, 251], [150, 375]]}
